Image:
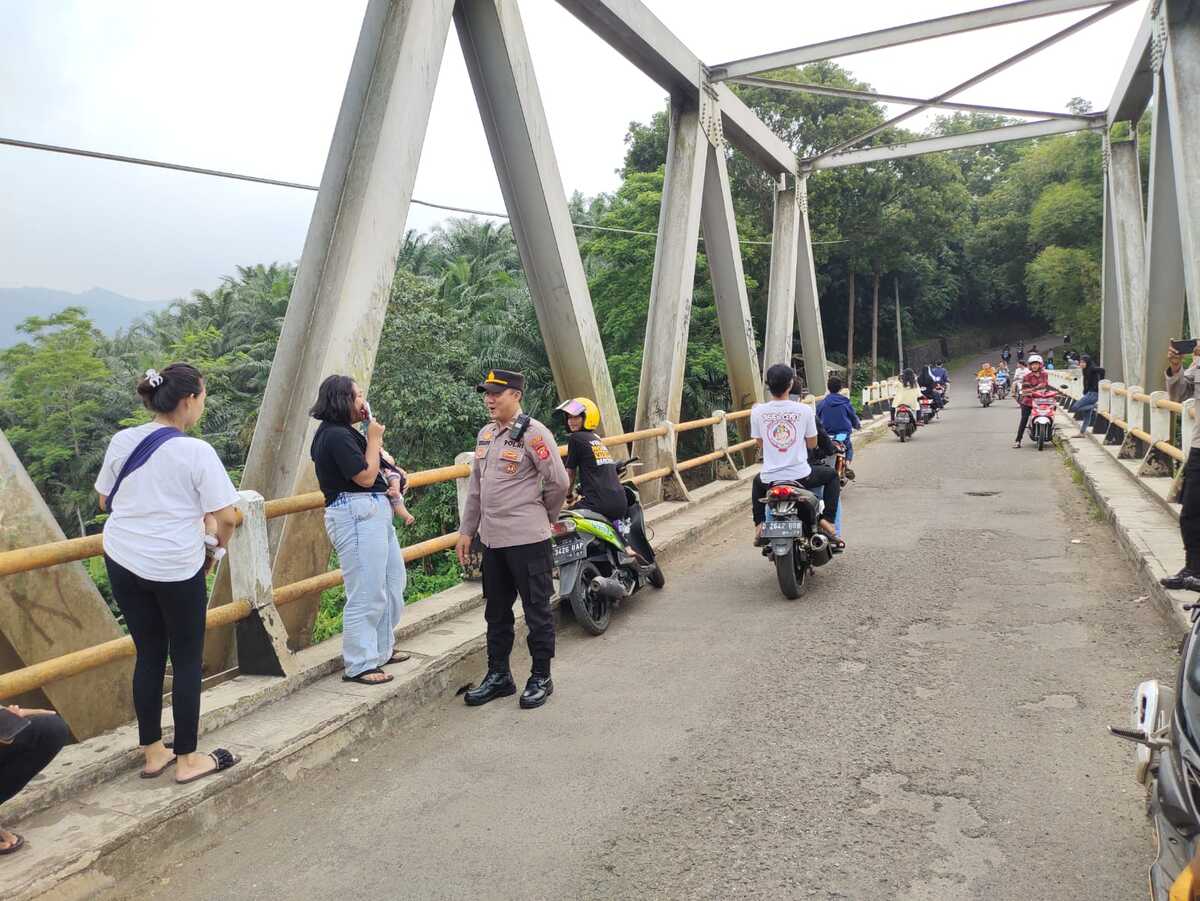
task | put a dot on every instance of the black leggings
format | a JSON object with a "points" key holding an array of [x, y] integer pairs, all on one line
{"points": [[34, 747], [822, 476], [1025, 412], [164, 618]]}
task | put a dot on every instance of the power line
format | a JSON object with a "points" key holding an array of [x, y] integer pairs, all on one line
{"points": [[280, 183]]}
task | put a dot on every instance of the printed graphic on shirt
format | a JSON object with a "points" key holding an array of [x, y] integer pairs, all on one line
{"points": [[601, 454], [510, 455], [510, 468], [780, 429], [539, 447]]}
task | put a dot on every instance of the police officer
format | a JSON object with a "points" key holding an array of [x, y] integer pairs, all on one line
{"points": [[517, 488]]}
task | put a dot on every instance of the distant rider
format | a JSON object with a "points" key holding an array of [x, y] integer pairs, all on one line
{"points": [[836, 414], [1034, 380]]}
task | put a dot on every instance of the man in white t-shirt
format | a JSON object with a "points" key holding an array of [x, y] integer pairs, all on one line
{"points": [[785, 431]]}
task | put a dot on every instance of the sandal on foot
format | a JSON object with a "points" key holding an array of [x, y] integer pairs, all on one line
{"points": [[1016, 445], [17, 845], [223, 759], [398, 657], [360, 678], [154, 774]]}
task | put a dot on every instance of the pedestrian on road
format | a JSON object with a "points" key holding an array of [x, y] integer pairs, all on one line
{"points": [[516, 490], [157, 484], [836, 414], [29, 740], [1034, 379], [360, 525], [1181, 385], [1086, 405], [785, 431]]}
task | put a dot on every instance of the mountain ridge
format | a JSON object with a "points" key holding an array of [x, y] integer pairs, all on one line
{"points": [[109, 310]]}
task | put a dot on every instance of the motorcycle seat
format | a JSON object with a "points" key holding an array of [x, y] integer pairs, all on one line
{"points": [[590, 514], [805, 497]]}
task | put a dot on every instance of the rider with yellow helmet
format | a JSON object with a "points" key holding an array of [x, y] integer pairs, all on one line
{"points": [[588, 457]]}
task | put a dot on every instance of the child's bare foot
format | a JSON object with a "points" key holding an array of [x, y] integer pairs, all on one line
{"points": [[408, 518]]}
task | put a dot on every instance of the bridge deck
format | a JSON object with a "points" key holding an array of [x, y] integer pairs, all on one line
{"points": [[928, 722]]}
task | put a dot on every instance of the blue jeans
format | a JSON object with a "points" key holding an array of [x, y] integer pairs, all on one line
{"points": [[1087, 406], [361, 530]]}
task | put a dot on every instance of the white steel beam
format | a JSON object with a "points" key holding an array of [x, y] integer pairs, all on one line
{"points": [[982, 76], [901, 34], [873, 97], [781, 288], [1021, 132], [1164, 249], [638, 35], [1136, 83], [1111, 357], [497, 57], [729, 283], [808, 303], [1129, 246], [343, 284], [660, 392], [1181, 74]]}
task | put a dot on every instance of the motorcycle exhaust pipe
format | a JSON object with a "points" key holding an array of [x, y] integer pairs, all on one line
{"points": [[609, 588], [819, 550]]}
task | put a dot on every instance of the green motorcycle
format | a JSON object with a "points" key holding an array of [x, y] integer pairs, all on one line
{"points": [[601, 563]]}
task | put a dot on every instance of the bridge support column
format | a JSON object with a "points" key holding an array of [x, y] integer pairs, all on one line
{"points": [[660, 392], [1111, 357], [343, 285], [1181, 77], [729, 282], [1129, 243], [781, 289], [808, 303], [498, 61], [46, 613]]}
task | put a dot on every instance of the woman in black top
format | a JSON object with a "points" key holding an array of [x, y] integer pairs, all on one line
{"points": [[358, 519], [588, 456]]}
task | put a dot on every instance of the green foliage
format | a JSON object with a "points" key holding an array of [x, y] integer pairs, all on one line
{"points": [[1064, 286], [1067, 214]]}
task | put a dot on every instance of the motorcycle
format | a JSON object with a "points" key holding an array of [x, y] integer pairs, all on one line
{"points": [[790, 536], [928, 411], [1167, 763], [1041, 419], [1001, 385], [840, 464], [904, 423], [602, 562], [983, 386]]}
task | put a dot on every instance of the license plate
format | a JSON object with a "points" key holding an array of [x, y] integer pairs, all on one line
{"points": [[783, 528], [566, 551], [901, 417]]}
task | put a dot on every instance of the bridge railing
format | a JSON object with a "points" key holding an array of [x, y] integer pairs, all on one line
{"points": [[256, 599], [1150, 427]]}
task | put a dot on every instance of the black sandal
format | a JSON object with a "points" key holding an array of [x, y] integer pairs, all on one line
{"points": [[398, 657], [370, 672], [223, 759], [17, 845]]}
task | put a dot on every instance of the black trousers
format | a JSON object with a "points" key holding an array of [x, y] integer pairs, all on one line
{"points": [[1025, 413], [822, 476], [30, 751], [164, 619], [1189, 515], [523, 569]]}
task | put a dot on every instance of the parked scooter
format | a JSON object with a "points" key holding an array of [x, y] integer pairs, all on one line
{"points": [[790, 536], [601, 562], [984, 388], [1041, 419], [1166, 731]]}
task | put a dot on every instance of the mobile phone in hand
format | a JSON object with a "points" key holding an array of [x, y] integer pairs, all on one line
{"points": [[1183, 345], [367, 409]]}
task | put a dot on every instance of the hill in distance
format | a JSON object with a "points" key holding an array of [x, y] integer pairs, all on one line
{"points": [[108, 310]]}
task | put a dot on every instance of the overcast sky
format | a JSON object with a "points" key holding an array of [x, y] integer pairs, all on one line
{"points": [[254, 86]]}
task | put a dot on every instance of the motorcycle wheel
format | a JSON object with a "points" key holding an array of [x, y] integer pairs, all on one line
{"points": [[655, 576], [791, 573], [903, 436], [1041, 442], [591, 611]]}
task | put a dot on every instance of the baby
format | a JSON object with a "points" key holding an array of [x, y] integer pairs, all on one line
{"points": [[395, 479]]}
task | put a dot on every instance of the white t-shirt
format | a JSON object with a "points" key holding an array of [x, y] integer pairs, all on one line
{"points": [[157, 528], [783, 426]]}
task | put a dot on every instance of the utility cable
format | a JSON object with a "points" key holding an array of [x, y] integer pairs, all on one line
{"points": [[279, 183]]}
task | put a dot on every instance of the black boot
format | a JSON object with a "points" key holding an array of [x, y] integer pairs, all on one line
{"points": [[498, 683], [1184, 580], [537, 690]]}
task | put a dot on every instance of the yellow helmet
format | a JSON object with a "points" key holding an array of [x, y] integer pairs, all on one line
{"points": [[581, 406]]}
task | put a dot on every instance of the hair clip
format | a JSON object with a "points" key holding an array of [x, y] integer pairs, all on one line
{"points": [[153, 378]]}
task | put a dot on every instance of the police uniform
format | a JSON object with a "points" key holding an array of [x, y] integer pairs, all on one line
{"points": [[516, 490]]}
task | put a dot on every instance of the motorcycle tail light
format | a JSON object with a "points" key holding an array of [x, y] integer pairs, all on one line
{"points": [[781, 491], [563, 527]]}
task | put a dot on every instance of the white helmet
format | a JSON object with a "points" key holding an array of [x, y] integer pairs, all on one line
{"points": [[1034, 358]]}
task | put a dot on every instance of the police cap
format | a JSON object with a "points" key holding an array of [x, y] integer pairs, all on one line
{"points": [[499, 379]]}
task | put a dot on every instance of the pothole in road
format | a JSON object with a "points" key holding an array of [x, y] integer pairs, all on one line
{"points": [[981, 493]]}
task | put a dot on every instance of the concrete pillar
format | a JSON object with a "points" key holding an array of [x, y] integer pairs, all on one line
{"points": [[781, 290], [729, 283], [1135, 410], [808, 303], [1104, 398], [1160, 420], [343, 285], [1129, 244], [726, 468], [261, 638], [660, 391], [472, 571], [1117, 410], [1164, 249], [45, 613], [1181, 73], [498, 61], [1110, 315]]}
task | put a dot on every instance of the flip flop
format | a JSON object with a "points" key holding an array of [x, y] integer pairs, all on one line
{"points": [[398, 657], [370, 672], [17, 845], [148, 774], [223, 759]]}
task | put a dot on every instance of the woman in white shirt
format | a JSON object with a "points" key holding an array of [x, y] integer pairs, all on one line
{"points": [[157, 485]]}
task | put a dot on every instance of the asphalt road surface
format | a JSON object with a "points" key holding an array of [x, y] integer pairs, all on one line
{"points": [[926, 723]]}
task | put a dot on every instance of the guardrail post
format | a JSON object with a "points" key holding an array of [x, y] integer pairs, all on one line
{"points": [[472, 572], [1103, 407], [1117, 407], [673, 488], [262, 642], [1135, 418], [1156, 463], [726, 469]]}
